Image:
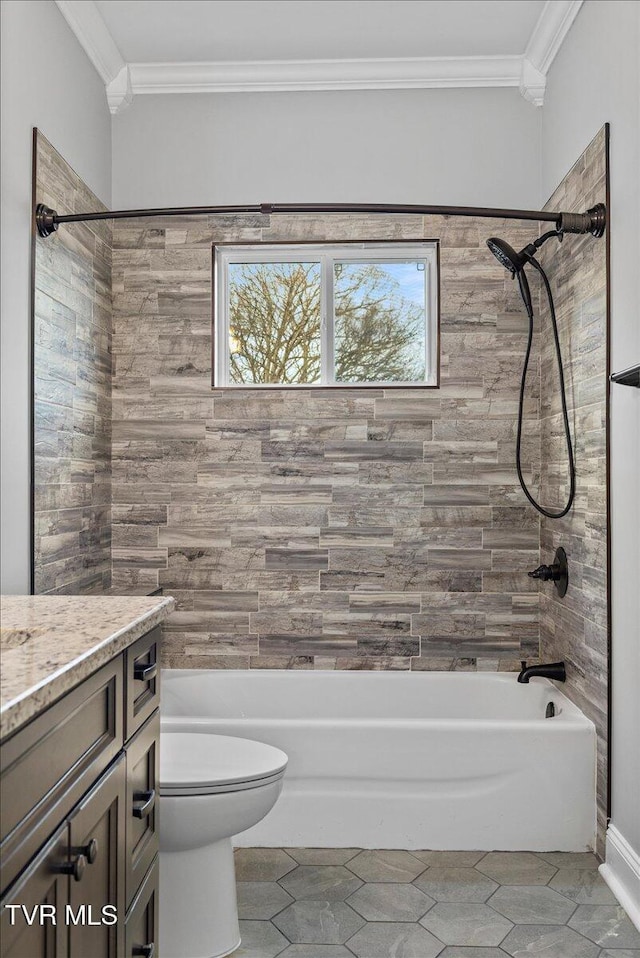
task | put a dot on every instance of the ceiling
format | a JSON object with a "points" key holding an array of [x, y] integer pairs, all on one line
{"points": [[233, 46], [221, 30]]}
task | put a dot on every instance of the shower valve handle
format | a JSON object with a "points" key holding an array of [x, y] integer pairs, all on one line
{"points": [[557, 572], [546, 572]]}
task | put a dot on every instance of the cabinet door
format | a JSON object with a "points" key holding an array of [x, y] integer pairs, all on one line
{"points": [[142, 805], [39, 929], [142, 920], [97, 834]]}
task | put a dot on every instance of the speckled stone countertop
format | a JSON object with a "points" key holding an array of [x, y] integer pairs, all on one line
{"points": [[48, 644]]}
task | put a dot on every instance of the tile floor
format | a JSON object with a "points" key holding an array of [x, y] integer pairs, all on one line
{"points": [[341, 902]]}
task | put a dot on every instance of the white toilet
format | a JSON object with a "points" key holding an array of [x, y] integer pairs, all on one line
{"points": [[211, 787]]}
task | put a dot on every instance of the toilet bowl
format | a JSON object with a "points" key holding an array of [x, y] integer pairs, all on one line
{"points": [[211, 787]]}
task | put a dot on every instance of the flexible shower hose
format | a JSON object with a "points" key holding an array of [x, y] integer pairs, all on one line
{"points": [[565, 416]]}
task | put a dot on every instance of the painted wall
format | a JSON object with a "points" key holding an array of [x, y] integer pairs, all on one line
{"points": [[48, 82], [375, 146], [574, 628], [595, 79]]}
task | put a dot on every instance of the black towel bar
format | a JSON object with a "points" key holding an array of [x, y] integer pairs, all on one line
{"points": [[628, 377]]}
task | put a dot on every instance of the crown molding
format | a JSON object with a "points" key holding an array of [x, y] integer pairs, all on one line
{"points": [[93, 34], [532, 83], [119, 91], [548, 35], [527, 71], [263, 76]]}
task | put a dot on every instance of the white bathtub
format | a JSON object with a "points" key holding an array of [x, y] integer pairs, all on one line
{"points": [[438, 760]]}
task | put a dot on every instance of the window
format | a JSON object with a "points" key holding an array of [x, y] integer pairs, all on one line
{"points": [[320, 315]]}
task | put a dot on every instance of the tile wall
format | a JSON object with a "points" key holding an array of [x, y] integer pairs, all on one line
{"points": [[330, 529], [72, 389], [575, 628]]}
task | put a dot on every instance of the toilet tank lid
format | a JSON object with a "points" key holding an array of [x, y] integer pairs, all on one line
{"points": [[198, 759]]}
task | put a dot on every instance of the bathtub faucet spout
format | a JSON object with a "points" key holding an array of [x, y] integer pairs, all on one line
{"points": [[555, 670]]}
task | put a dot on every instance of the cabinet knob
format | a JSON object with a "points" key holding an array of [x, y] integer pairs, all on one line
{"points": [[145, 951], [74, 868], [143, 803], [144, 672], [90, 850]]}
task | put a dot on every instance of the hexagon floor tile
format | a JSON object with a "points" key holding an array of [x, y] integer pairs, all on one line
{"points": [[570, 859], [455, 884], [262, 864], [547, 941], [449, 859], [476, 925], [606, 925], [320, 882], [455, 951], [379, 903], [393, 939], [260, 940], [390, 901], [532, 905], [261, 899], [316, 951], [322, 856], [516, 868], [386, 865], [585, 886], [318, 922]]}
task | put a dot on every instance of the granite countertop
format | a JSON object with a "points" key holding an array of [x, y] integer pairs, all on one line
{"points": [[49, 644]]}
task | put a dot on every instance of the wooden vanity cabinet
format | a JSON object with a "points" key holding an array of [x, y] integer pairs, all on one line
{"points": [[79, 826]]}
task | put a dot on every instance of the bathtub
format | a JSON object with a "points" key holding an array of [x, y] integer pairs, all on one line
{"points": [[437, 760]]}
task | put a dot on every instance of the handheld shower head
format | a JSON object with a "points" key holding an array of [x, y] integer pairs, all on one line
{"points": [[506, 255], [515, 263]]}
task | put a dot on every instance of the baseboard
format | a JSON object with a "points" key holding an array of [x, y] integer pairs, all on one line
{"points": [[621, 871]]}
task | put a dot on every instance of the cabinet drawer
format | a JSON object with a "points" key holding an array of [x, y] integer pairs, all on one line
{"points": [[143, 761], [141, 929], [49, 764], [143, 680]]}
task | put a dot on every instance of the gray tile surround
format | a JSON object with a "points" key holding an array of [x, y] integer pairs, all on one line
{"points": [[575, 628], [394, 918], [72, 389], [346, 528]]}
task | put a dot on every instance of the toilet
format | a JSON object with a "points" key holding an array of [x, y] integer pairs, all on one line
{"points": [[211, 788]]}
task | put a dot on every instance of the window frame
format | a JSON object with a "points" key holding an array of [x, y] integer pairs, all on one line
{"points": [[323, 252]]}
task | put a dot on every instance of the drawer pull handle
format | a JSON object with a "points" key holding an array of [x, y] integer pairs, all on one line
{"points": [[74, 868], [143, 803], [146, 951], [90, 851], [145, 672]]}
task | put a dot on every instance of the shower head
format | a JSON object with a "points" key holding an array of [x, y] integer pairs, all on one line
{"points": [[515, 262], [506, 255]]}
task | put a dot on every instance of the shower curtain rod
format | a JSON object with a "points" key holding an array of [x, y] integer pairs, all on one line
{"points": [[592, 221]]}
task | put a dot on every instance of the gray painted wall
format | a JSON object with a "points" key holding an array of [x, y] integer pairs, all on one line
{"points": [[468, 147], [66, 100], [583, 93]]}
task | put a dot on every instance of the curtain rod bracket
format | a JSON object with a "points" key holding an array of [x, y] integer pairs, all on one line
{"points": [[593, 221], [46, 220]]}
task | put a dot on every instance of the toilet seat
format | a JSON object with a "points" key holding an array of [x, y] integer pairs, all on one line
{"points": [[200, 763]]}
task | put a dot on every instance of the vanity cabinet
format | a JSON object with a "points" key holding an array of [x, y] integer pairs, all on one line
{"points": [[79, 818]]}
